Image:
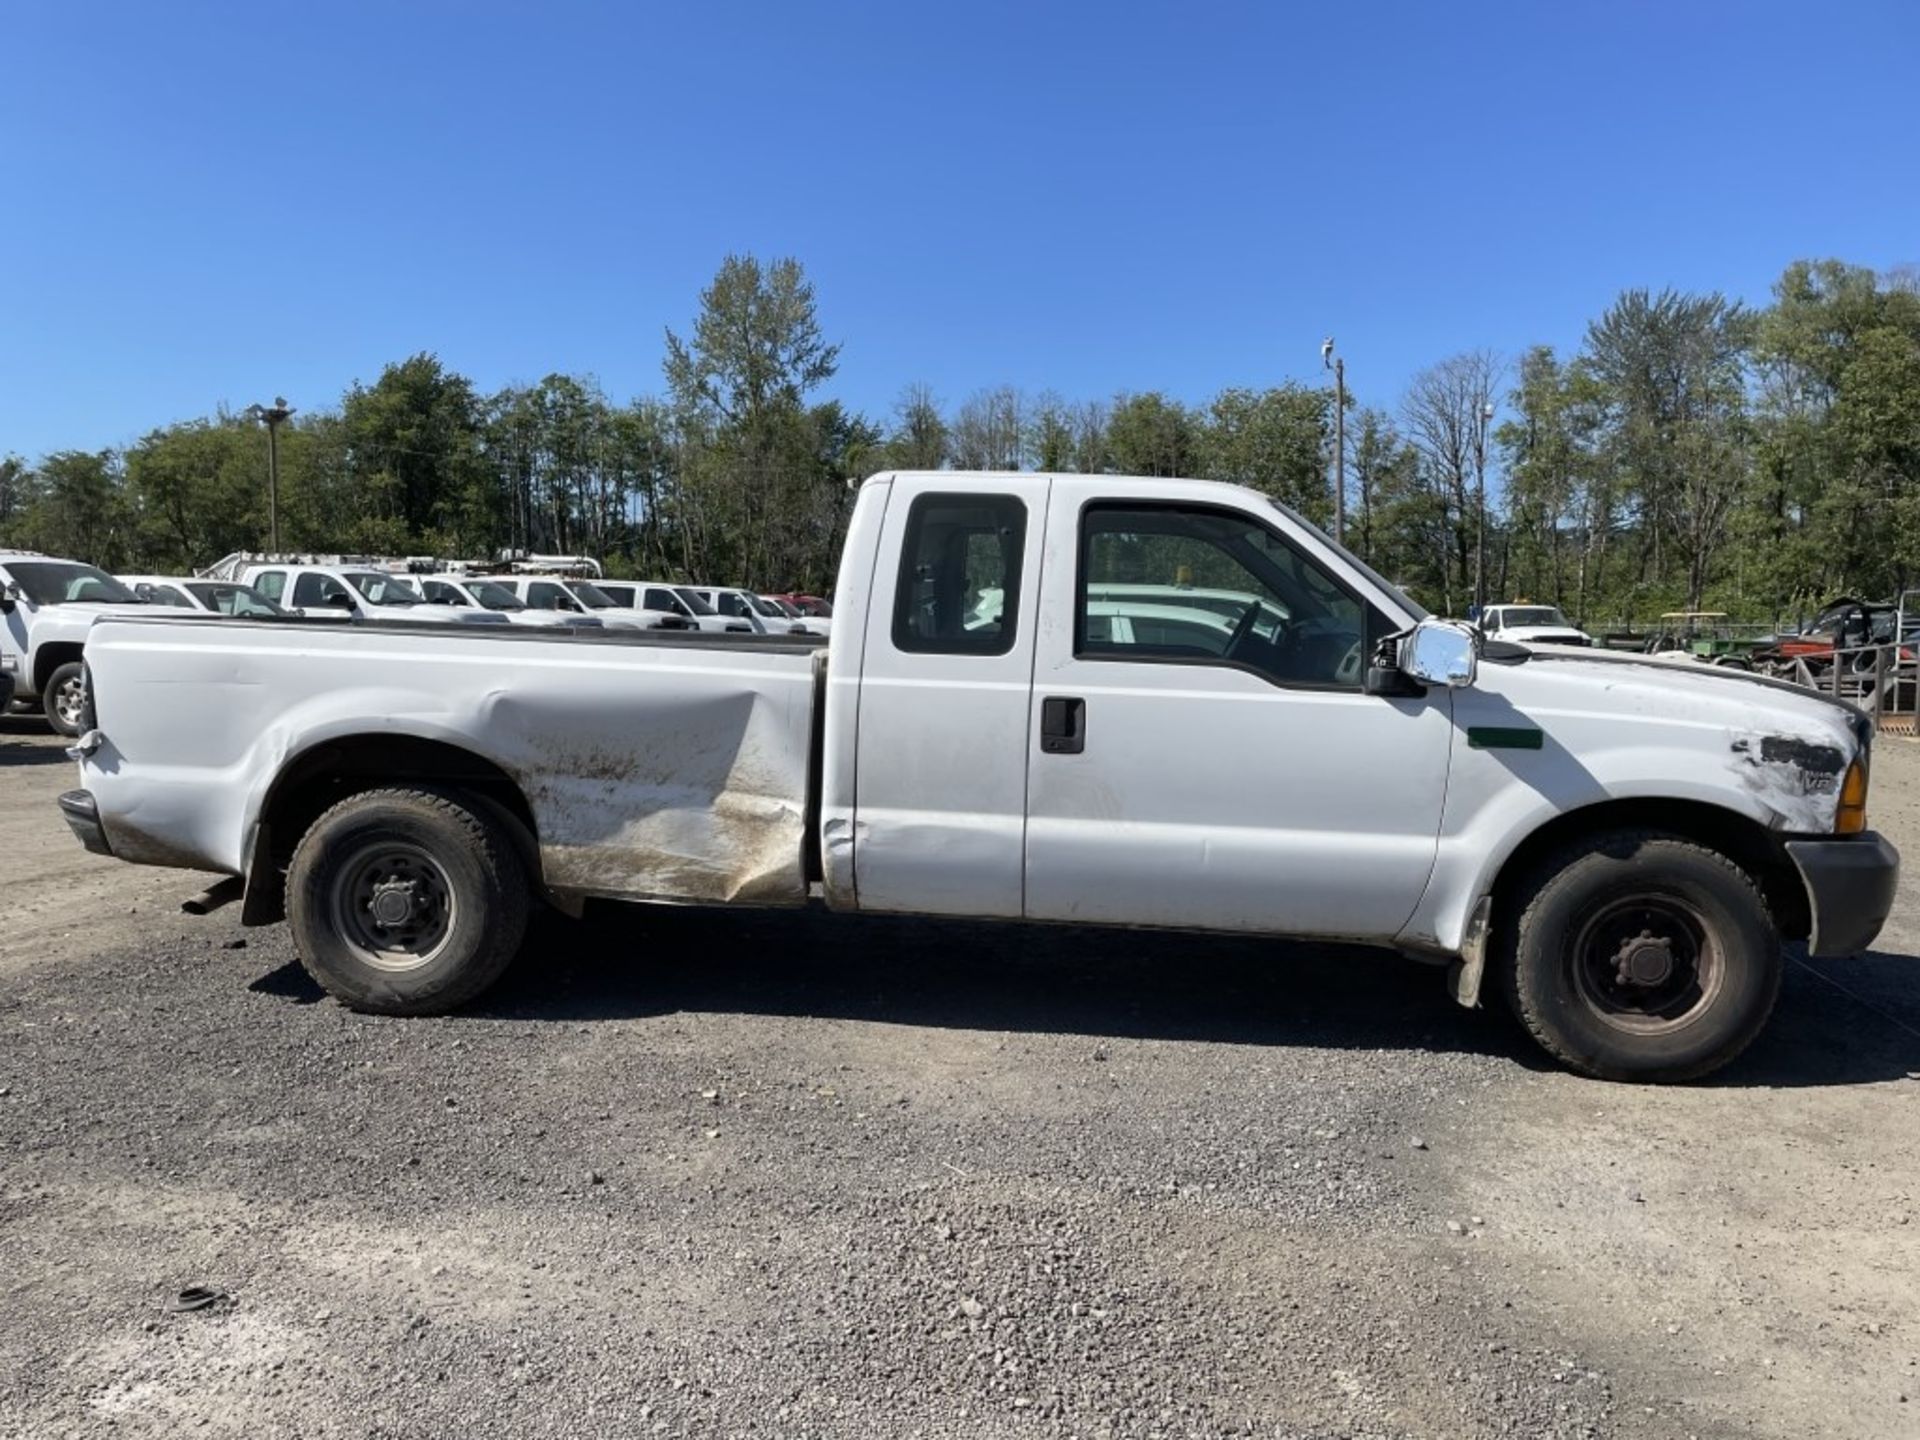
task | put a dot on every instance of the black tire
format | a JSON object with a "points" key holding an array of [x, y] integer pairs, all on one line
{"points": [[450, 890], [1641, 956], [65, 701]]}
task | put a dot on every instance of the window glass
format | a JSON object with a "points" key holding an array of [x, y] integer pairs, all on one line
{"points": [[693, 600], [271, 583], [589, 596], [235, 599], [1162, 583], [439, 592], [319, 590], [659, 599], [959, 586], [162, 595], [380, 589], [58, 582], [494, 596], [544, 595]]}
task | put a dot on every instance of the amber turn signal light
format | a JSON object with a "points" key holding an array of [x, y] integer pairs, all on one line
{"points": [[1851, 817]]}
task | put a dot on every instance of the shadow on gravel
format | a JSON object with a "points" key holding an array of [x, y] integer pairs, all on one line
{"points": [[626, 962], [289, 982], [1839, 1022], [13, 754], [26, 740]]}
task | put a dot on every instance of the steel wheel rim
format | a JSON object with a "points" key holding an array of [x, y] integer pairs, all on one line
{"points": [[393, 904], [1647, 964], [70, 701]]}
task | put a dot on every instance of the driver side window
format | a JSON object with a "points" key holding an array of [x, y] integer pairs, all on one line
{"points": [[1177, 585]]}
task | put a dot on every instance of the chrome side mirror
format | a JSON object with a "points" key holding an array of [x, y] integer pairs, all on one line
{"points": [[1441, 652]]}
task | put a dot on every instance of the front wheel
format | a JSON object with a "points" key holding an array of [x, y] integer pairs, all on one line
{"points": [[406, 902], [65, 699], [1642, 956]]}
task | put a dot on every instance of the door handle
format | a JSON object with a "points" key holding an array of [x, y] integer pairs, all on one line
{"points": [[1063, 725]]}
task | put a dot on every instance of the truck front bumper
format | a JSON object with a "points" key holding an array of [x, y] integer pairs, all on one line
{"points": [[83, 818], [1850, 885]]}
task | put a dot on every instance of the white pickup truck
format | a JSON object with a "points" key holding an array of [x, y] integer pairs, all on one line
{"points": [[1618, 847], [47, 608]]}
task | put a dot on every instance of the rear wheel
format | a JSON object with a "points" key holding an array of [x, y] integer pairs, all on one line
{"points": [[406, 902], [65, 699], [1642, 956]]}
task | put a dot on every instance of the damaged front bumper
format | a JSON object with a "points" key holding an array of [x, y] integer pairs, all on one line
{"points": [[83, 818], [1850, 883]]}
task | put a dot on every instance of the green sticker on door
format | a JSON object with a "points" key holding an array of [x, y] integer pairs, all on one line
{"points": [[1503, 737]]}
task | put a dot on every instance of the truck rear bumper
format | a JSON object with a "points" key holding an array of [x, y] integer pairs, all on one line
{"points": [[1850, 885], [83, 818]]}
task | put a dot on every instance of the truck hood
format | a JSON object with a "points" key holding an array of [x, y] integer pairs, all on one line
{"points": [[1785, 747]]}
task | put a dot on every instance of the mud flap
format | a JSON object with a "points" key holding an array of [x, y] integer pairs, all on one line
{"points": [[1465, 976]]}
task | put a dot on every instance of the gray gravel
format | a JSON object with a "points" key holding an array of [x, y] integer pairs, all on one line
{"points": [[701, 1173]]}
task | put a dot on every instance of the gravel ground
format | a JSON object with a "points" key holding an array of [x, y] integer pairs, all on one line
{"points": [[699, 1173]]}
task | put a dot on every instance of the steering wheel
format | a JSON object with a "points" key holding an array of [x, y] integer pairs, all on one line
{"points": [[1348, 672], [1243, 629]]}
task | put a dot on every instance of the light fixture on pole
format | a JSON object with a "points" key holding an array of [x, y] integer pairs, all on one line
{"points": [[275, 415], [1338, 365]]}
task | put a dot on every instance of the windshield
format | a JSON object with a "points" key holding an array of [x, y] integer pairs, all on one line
{"points": [[1530, 615], [775, 608], [235, 599], [494, 596], [810, 605], [694, 601], [590, 596], [62, 582], [382, 589]]}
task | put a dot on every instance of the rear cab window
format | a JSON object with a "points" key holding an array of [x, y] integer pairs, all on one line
{"points": [[959, 586]]}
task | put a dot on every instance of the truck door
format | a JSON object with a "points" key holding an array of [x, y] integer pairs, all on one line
{"points": [[1212, 762], [941, 757]]}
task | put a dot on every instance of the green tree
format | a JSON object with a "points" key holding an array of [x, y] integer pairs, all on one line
{"points": [[1149, 434], [1673, 367], [1275, 441], [749, 449], [412, 453], [80, 510]]}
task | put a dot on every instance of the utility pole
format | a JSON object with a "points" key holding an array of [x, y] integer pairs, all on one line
{"points": [[1338, 364], [276, 415], [1485, 418]]}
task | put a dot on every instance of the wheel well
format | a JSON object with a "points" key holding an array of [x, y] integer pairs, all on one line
{"points": [[1750, 845], [50, 657], [322, 777]]}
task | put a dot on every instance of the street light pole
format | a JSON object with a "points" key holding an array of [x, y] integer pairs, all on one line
{"points": [[275, 415], [1338, 364], [1485, 418]]}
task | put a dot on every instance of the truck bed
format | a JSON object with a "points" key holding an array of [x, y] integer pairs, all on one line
{"points": [[672, 766]]}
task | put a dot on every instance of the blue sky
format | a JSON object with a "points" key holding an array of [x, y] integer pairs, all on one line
{"points": [[204, 204]]}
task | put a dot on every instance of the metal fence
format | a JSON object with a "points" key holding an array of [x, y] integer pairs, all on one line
{"points": [[1883, 680]]}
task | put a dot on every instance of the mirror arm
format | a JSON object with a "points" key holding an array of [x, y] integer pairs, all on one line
{"points": [[1384, 675]]}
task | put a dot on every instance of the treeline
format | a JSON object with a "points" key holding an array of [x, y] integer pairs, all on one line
{"points": [[1692, 453]]}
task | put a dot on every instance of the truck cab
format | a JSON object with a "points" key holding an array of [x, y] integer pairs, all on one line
{"points": [[47, 607]]}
